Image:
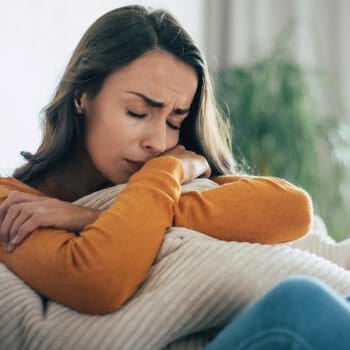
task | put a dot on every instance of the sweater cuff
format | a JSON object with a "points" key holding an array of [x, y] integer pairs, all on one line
{"points": [[167, 164]]}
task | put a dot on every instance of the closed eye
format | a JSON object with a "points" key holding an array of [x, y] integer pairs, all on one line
{"points": [[172, 126], [137, 115], [143, 115]]}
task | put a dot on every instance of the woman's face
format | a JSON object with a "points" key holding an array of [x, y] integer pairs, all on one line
{"points": [[137, 114]]}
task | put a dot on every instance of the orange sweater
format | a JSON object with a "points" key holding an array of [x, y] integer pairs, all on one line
{"points": [[97, 271]]}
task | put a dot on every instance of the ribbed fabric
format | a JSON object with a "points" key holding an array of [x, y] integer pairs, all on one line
{"points": [[318, 241], [196, 284]]}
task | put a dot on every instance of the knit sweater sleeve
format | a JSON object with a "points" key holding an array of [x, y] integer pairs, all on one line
{"points": [[100, 269], [247, 208]]}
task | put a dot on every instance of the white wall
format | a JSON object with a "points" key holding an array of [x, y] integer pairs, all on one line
{"points": [[37, 38]]}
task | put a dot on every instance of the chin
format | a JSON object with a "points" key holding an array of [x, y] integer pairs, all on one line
{"points": [[119, 180]]}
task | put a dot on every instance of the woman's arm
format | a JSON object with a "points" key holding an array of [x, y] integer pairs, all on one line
{"points": [[99, 270], [247, 208]]}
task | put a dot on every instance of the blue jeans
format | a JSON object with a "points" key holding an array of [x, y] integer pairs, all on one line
{"points": [[300, 313]]}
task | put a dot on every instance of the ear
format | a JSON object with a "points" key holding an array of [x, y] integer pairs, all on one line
{"points": [[79, 101]]}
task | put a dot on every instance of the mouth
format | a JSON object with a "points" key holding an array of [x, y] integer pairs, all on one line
{"points": [[135, 165]]}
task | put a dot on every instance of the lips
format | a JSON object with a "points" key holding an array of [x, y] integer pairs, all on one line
{"points": [[135, 165]]}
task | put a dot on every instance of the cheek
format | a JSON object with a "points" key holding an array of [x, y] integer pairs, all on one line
{"points": [[172, 139], [95, 135], [100, 141]]}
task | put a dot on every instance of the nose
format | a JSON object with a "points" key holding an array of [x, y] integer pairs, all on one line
{"points": [[155, 137]]}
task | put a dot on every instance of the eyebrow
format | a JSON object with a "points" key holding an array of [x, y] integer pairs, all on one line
{"points": [[157, 104]]}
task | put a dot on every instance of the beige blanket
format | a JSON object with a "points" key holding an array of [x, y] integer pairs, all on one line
{"points": [[196, 285]]}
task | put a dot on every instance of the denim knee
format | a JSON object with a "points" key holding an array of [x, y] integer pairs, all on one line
{"points": [[298, 313], [296, 291], [299, 286]]}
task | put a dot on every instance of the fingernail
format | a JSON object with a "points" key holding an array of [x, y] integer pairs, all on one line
{"points": [[14, 241], [10, 247]]}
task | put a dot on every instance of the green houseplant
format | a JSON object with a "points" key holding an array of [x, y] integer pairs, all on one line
{"points": [[286, 123]]}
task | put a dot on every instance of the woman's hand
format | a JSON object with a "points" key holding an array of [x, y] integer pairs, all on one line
{"points": [[194, 165], [21, 213]]}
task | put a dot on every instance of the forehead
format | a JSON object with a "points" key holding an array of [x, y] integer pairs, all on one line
{"points": [[158, 74]]}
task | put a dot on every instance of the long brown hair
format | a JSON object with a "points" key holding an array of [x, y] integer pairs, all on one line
{"points": [[111, 42]]}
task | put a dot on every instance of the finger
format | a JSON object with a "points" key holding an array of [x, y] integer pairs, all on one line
{"points": [[6, 223], [3, 208], [170, 151], [17, 223], [20, 197], [207, 172], [24, 231], [17, 197]]}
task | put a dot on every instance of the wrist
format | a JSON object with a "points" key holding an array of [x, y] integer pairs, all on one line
{"points": [[167, 163]]}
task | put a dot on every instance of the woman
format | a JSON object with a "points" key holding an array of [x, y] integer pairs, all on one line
{"points": [[134, 105]]}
